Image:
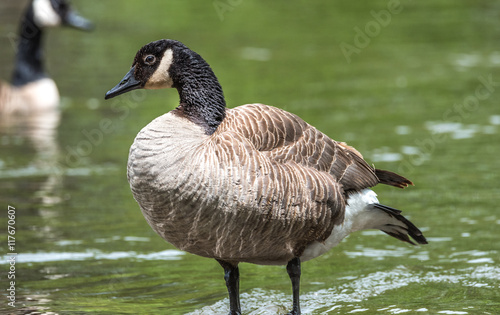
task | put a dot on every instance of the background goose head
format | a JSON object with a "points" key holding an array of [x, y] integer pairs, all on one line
{"points": [[51, 13], [39, 15], [168, 63]]}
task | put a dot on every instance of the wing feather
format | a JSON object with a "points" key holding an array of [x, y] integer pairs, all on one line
{"points": [[285, 137], [295, 178], [307, 202]]}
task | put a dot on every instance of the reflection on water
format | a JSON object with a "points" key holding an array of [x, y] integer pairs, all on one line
{"points": [[39, 129], [381, 254], [440, 132], [459, 130], [39, 257], [470, 60]]}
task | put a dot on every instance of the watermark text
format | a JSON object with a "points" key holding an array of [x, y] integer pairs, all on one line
{"points": [[12, 255]]}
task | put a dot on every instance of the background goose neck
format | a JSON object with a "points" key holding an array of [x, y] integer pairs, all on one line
{"points": [[29, 58]]}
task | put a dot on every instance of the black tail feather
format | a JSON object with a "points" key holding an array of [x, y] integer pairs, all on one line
{"points": [[393, 179], [399, 232]]}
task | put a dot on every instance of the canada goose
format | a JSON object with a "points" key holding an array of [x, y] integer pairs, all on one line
{"points": [[32, 89], [250, 184]]}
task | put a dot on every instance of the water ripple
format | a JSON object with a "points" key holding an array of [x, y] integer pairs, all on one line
{"points": [[267, 302], [169, 254]]}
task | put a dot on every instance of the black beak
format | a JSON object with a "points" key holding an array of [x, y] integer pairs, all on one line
{"points": [[77, 21], [128, 83]]}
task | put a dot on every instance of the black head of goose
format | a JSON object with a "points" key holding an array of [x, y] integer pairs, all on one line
{"points": [[31, 87], [250, 184]]}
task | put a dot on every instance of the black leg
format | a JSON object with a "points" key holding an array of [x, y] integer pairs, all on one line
{"points": [[293, 269], [232, 277]]}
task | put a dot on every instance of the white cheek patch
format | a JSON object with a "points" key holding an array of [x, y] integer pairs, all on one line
{"points": [[160, 78], [44, 14]]}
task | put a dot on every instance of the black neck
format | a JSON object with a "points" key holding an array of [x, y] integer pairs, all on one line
{"points": [[201, 97], [29, 63]]}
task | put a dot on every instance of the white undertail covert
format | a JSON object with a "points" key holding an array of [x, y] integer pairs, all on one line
{"points": [[357, 217]]}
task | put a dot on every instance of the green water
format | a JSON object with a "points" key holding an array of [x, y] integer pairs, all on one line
{"points": [[415, 88]]}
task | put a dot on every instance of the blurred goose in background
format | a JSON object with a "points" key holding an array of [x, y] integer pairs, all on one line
{"points": [[250, 184], [32, 89]]}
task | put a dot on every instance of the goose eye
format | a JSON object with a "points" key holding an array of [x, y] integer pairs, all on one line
{"points": [[149, 59]]}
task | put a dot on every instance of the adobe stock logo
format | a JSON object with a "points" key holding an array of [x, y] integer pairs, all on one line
{"points": [[363, 37], [222, 7]]}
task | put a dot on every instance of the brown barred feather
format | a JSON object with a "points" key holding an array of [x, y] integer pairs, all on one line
{"points": [[286, 137]]}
